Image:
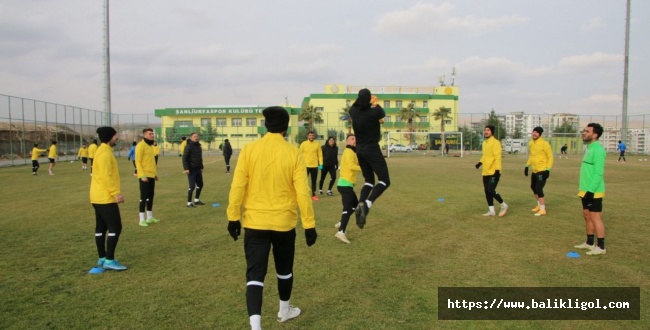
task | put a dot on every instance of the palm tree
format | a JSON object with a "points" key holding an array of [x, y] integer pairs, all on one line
{"points": [[442, 114], [310, 114], [408, 114], [345, 116]]}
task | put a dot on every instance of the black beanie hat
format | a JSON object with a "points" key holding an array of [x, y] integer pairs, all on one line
{"points": [[363, 100], [276, 119], [538, 130], [492, 129], [106, 133]]}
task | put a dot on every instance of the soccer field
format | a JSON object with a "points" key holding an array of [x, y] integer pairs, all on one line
{"points": [[427, 231]]}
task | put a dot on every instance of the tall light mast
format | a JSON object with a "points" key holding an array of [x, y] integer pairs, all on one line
{"points": [[107, 66], [625, 73]]}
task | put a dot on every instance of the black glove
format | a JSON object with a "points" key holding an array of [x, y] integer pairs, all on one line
{"points": [[478, 165], [526, 171], [234, 228], [310, 236], [589, 197], [497, 173], [547, 173]]}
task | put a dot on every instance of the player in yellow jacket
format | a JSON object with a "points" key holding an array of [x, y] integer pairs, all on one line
{"points": [[268, 186], [491, 162], [35, 153], [181, 148], [540, 159], [145, 165], [349, 170], [52, 155], [313, 155], [92, 148], [83, 155], [104, 196]]}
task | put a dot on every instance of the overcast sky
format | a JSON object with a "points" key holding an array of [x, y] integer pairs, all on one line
{"points": [[511, 55]]}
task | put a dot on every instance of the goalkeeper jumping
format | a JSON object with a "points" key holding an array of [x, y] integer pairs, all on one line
{"points": [[366, 122]]}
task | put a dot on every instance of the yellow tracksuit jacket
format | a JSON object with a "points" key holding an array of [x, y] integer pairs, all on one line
{"points": [[105, 182], [83, 152], [92, 148], [491, 157], [181, 148], [269, 185], [312, 153], [145, 162], [52, 154], [35, 152], [540, 155], [349, 168]]}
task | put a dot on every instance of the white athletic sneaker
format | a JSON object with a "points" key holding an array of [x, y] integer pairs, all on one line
{"points": [[342, 237], [584, 246], [596, 251], [504, 209], [489, 214], [289, 314]]}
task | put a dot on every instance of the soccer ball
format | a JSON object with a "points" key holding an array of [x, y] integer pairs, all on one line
{"points": [[72, 161]]}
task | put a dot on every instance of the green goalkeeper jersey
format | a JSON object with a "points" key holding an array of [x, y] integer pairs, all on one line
{"points": [[592, 171]]}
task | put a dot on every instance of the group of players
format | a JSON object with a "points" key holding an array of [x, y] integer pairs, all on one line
{"points": [[270, 184], [540, 161]]}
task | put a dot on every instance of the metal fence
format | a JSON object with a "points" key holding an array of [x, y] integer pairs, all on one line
{"points": [[24, 122]]}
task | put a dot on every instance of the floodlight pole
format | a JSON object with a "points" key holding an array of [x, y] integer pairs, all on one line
{"points": [[107, 65], [625, 72]]}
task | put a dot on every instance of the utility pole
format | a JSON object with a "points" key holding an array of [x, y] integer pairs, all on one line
{"points": [[107, 66], [625, 73]]}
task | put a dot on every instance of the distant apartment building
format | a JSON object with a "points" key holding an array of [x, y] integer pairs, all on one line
{"points": [[638, 140], [559, 119], [522, 122]]}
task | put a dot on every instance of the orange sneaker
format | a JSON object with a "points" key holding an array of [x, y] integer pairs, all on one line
{"points": [[314, 198]]}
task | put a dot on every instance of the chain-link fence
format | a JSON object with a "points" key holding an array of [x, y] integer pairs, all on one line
{"points": [[25, 122]]}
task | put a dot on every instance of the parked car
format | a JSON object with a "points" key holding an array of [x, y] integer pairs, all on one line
{"points": [[399, 147]]}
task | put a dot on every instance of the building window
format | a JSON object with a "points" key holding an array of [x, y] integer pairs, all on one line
{"points": [[425, 104], [221, 122], [447, 121], [319, 110], [236, 135], [386, 104], [424, 119], [387, 119], [206, 122], [183, 123], [348, 103], [251, 121], [398, 104], [235, 122], [251, 135]]}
